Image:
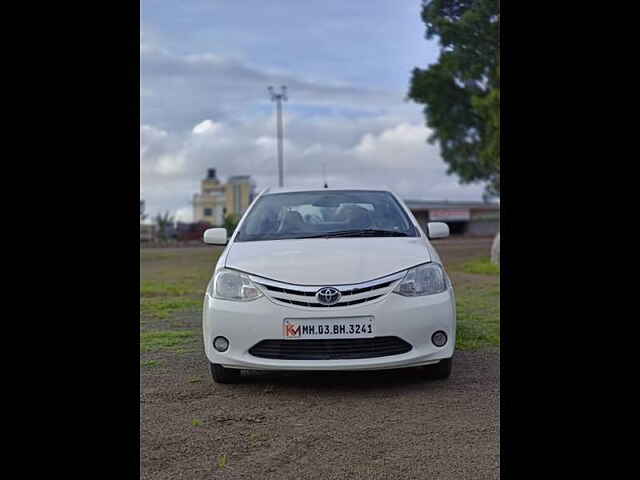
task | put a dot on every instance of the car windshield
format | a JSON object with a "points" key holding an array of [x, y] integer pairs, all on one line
{"points": [[336, 213]]}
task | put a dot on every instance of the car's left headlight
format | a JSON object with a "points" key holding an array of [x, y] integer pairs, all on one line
{"points": [[231, 285], [426, 279]]}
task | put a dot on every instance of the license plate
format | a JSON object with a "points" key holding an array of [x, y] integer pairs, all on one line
{"points": [[350, 327]]}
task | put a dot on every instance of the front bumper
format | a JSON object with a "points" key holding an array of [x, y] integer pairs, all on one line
{"points": [[413, 319]]}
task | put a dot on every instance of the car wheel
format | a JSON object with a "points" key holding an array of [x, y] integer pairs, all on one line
{"points": [[224, 375], [439, 371]]}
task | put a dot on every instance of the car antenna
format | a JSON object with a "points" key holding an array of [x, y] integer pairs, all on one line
{"points": [[324, 176]]}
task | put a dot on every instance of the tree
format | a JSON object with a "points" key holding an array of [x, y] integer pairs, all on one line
{"points": [[163, 222], [231, 222], [461, 92]]}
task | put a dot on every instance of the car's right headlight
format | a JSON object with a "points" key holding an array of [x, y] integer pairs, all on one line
{"points": [[426, 279], [232, 285]]}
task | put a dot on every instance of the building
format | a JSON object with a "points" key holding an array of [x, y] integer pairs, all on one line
{"points": [[464, 218], [209, 204], [216, 199], [239, 193], [148, 232], [186, 232]]}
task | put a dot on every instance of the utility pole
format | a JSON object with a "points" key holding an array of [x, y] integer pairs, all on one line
{"points": [[278, 98]]}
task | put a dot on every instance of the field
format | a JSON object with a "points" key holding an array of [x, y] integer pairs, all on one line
{"points": [[301, 425]]}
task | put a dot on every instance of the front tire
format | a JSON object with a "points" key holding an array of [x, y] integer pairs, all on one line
{"points": [[439, 371], [221, 374]]}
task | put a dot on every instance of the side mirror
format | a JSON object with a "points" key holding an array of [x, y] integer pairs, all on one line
{"points": [[438, 230], [215, 236]]}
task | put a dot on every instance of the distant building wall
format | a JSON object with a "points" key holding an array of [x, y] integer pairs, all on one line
{"points": [[238, 194], [147, 232], [463, 218], [484, 223], [209, 208], [483, 229], [191, 231], [216, 200]]}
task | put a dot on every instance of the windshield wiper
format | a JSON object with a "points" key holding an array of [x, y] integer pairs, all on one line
{"points": [[369, 232]]}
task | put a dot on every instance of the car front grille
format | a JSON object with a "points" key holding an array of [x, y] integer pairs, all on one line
{"points": [[305, 295], [334, 349]]}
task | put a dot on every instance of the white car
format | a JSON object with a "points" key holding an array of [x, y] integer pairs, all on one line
{"points": [[328, 279]]}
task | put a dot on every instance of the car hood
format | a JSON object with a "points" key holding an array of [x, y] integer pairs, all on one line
{"points": [[327, 261]]}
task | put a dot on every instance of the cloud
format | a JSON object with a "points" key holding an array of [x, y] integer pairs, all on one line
{"points": [[210, 109], [397, 156], [183, 89], [207, 127]]}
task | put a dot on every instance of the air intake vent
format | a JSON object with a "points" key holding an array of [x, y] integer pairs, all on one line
{"points": [[334, 349]]}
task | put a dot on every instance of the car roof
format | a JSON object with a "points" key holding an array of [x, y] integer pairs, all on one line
{"points": [[271, 190]]}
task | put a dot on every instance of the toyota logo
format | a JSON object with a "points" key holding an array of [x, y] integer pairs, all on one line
{"points": [[328, 295]]}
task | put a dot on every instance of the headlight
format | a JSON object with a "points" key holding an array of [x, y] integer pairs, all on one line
{"points": [[424, 279], [230, 285]]}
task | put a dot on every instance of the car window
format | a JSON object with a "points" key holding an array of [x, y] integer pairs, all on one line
{"points": [[312, 214]]}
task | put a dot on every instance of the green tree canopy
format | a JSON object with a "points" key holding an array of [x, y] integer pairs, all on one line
{"points": [[231, 222], [461, 92], [164, 221]]}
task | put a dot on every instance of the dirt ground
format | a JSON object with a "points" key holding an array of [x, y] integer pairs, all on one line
{"points": [[374, 425]]}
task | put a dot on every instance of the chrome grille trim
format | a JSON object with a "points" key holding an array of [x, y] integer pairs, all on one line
{"points": [[305, 295], [345, 303]]}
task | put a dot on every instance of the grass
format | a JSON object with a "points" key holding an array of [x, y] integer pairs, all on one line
{"points": [[163, 307], [150, 256], [478, 312], [477, 300], [174, 281], [149, 363], [481, 266], [159, 299], [155, 340], [162, 289]]}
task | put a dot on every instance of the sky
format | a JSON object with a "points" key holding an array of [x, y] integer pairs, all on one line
{"points": [[205, 68]]}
